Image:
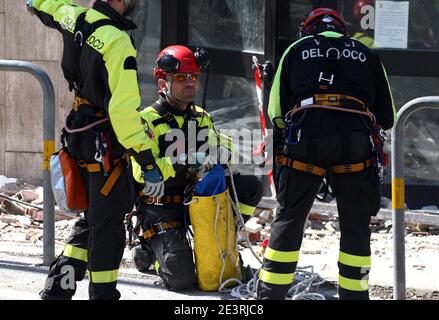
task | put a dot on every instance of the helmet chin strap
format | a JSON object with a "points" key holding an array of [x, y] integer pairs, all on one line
{"points": [[169, 95]]}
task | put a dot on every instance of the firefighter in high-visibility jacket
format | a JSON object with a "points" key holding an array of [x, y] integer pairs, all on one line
{"points": [[185, 146], [99, 63], [329, 99]]}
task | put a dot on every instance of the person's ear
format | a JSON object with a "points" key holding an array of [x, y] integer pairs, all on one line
{"points": [[163, 85]]}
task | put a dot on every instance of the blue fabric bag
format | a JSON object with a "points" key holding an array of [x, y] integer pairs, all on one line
{"points": [[213, 183]]}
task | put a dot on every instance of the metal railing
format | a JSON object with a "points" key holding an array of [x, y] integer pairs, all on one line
{"points": [[398, 190], [48, 149]]}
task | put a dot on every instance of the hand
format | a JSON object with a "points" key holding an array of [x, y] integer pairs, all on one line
{"points": [[208, 164], [29, 6], [154, 185], [196, 159]]}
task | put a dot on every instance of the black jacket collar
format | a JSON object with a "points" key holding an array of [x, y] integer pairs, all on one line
{"points": [[122, 22], [166, 107]]}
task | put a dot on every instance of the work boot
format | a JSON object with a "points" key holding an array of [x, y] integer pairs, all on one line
{"points": [[53, 291], [50, 295], [143, 258]]}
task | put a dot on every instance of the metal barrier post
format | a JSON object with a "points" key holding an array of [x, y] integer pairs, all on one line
{"points": [[398, 190], [48, 149]]}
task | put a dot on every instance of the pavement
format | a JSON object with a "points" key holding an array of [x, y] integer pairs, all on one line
{"points": [[23, 276]]}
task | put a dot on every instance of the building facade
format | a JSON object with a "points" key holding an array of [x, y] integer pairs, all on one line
{"points": [[405, 33]]}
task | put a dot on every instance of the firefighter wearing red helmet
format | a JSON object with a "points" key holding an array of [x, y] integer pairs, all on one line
{"points": [[329, 99], [178, 165]]}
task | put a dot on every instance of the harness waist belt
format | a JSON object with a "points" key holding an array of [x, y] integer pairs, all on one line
{"points": [[175, 199], [335, 100], [159, 228], [318, 171], [115, 174]]}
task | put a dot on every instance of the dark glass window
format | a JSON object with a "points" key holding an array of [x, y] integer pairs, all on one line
{"points": [[147, 39], [421, 146], [423, 30], [227, 24]]}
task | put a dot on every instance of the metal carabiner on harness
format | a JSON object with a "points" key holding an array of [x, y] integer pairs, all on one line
{"points": [[79, 38], [98, 154]]}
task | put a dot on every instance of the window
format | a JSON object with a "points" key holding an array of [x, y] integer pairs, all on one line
{"points": [[421, 146], [423, 30], [147, 40], [227, 24]]}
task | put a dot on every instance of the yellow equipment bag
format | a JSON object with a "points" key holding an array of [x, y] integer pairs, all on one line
{"points": [[216, 253]]}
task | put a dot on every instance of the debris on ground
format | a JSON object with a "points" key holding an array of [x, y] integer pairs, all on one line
{"points": [[21, 212]]}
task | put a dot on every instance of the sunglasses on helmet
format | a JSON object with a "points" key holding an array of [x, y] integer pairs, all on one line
{"points": [[168, 63]]}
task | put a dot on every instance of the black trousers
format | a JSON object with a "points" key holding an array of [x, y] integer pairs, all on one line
{"points": [[171, 248], [97, 242], [358, 198], [175, 263]]}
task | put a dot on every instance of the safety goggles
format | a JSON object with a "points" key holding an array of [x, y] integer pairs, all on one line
{"points": [[182, 77], [168, 63]]}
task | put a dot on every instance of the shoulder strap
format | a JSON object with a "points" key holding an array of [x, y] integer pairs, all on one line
{"points": [[82, 32], [165, 116]]}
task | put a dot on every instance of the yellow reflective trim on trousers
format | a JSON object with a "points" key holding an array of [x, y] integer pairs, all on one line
{"points": [[245, 209], [157, 266], [75, 253], [352, 284], [281, 256], [276, 278], [354, 261], [104, 276]]}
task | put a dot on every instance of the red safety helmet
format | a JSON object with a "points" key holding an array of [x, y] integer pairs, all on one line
{"points": [[317, 16], [174, 59], [356, 9]]}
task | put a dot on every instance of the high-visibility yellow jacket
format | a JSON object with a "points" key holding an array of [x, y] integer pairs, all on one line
{"points": [[107, 64], [170, 148]]}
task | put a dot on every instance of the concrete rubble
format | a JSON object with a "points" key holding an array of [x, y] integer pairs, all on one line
{"points": [[21, 213]]}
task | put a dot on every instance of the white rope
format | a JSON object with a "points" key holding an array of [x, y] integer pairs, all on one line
{"points": [[235, 263], [304, 280], [300, 289], [240, 218]]}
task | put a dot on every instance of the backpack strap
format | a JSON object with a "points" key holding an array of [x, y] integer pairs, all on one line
{"points": [[82, 32]]}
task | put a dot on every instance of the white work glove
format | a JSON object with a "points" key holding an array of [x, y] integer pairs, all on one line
{"points": [[154, 185]]}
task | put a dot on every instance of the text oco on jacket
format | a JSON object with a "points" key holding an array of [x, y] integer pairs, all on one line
{"points": [[347, 53]]}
